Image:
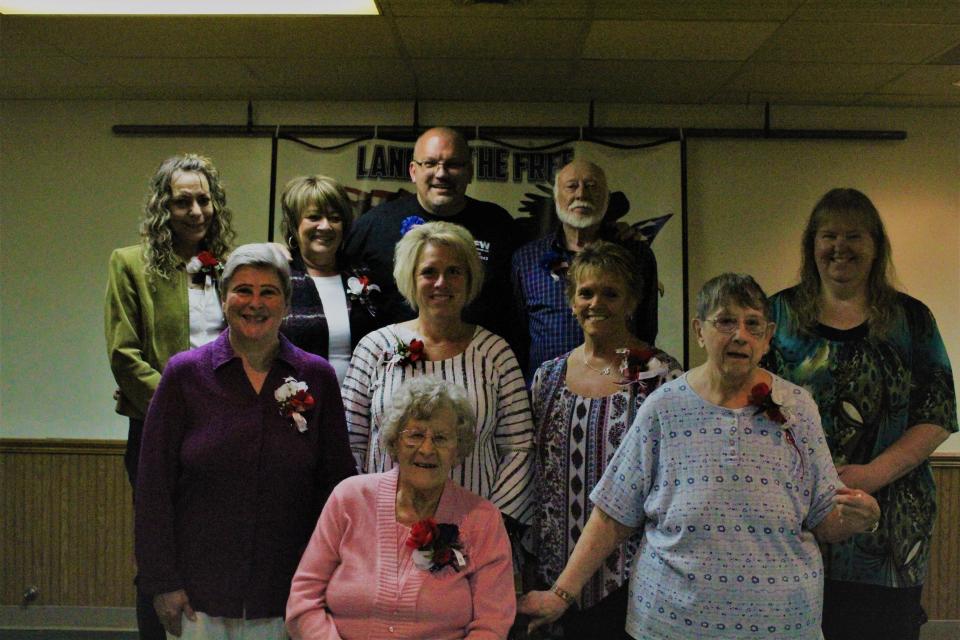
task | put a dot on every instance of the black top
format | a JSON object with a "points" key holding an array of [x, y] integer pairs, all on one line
{"points": [[375, 234]]}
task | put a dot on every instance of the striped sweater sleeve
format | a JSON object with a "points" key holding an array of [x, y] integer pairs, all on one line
{"points": [[513, 489], [357, 391]]}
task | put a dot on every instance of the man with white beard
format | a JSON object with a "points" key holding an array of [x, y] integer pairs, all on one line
{"points": [[539, 268]]}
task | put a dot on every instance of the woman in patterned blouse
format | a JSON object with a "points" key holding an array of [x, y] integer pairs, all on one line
{"points": [[726, 472], [875, 363], [438, 271], [583, 403]]}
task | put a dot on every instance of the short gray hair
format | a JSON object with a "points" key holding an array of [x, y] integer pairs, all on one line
{"points": [[258, 254], [420, 398], [738, 288], [442, 234]]}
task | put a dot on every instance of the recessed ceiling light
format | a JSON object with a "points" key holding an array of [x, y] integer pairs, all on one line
{"points": [[189, 7]]}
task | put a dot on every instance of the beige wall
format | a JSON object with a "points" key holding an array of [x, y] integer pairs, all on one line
{"points": [[70, 192]]}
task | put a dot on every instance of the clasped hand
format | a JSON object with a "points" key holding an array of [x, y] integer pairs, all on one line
{"points": [[543, 607], [858, 511], [169, 607]]}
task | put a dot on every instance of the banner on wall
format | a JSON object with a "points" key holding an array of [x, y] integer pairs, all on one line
{"points": [[644, 185]]}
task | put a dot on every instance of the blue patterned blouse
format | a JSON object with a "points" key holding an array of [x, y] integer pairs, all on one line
{"points": [[726, 503], [870, 390]]}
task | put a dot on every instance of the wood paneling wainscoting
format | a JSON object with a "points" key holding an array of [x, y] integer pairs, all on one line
{"points": [[67, 514], [68, 526]]}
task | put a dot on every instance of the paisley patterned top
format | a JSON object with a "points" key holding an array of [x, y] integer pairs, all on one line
{"points": [[576, 437], [870, 390]]}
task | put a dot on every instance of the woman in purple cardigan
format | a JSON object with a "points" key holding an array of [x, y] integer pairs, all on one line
{"points": [[244, 440], [408, 553]]}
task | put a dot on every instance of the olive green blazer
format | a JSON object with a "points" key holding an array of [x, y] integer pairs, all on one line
{"points": [[146, 322]]}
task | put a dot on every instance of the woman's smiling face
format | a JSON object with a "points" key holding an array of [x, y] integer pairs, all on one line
{"points": [[601, 302]]}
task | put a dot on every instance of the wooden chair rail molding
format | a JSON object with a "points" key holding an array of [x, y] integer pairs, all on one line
{"points": [[67, 526]]}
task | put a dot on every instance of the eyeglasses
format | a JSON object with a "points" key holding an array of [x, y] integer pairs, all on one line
{"points": [[756, 327], [452, 166], [415, 439]]}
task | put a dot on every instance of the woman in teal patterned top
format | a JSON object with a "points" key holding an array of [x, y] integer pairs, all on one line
{"points": [[875, 363]]}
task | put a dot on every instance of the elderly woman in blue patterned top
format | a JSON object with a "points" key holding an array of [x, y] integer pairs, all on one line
{"points": [[583, 403], [727, 472], [332, 306]]}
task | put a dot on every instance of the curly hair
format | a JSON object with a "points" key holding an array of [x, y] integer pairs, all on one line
{"points": [[421, 398], [849, 205], [156, 237]]}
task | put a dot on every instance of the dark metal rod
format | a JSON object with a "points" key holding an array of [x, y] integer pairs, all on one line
{"points": [[410, 133], [684, 252], [273, 187]]}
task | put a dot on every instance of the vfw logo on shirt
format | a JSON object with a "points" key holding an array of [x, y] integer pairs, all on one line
{"points": [[483, 248]]}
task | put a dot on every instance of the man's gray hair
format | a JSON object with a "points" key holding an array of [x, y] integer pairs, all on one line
{"points": [[420, 398]]}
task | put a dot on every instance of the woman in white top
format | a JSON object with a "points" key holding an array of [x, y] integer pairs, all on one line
{"points": [[162, 298], [332, 306], [438, 271]]}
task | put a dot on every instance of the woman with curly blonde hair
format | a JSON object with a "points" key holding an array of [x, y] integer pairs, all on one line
{"points": [[162, 296]]}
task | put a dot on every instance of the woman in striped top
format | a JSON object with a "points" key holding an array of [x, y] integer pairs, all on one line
{"points": [[438, 271]]}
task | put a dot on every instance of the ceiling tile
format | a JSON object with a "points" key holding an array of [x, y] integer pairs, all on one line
{"points": [[23, 74], [490, 38], [890, 11], [452, 8], [862, 43], [800, 78], [891, 100], [22, 36], [485, 80], [655, 82], [339, 79], [950, 56], [659, 40], [820, 99], [746, 10], [218, 36], [925, 79]]}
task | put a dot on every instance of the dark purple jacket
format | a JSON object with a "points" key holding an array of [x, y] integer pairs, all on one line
{"points": [[229, 490]]}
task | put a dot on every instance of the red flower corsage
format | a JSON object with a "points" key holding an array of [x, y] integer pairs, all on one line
{"points": [[204, 264], [294, 398], [761, 396], [406, 353], [436, 546]]}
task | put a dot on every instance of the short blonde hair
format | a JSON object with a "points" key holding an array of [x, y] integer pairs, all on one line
{"points": [[444, 234], [419, 399]]}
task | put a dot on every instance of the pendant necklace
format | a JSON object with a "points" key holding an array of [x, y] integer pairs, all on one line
{"points": [[604, 372]]}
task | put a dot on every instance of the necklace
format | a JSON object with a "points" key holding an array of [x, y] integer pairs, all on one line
{"points": [[604, 372]]}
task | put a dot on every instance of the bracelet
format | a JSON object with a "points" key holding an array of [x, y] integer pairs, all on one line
{"points": [[562, 594]]}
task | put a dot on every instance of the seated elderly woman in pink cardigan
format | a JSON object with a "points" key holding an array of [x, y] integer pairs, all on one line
{"points": [[408, 553]]}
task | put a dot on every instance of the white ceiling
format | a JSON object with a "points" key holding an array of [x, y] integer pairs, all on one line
{"points": [[828, 52]]}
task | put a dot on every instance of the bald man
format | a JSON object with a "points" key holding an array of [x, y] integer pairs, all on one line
{"points": [[441, 169], [549, 330]]}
